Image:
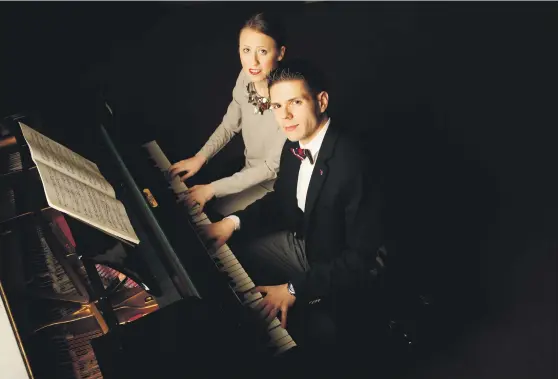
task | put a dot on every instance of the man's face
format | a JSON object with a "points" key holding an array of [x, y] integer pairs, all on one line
{"points": [[297, 112]]}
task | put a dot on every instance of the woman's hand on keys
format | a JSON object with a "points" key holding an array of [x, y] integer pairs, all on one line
{"points": [[200, 195], [187, 167]]}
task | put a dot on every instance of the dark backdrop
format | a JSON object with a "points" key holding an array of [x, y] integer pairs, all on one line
{"points": [[457, 100]]}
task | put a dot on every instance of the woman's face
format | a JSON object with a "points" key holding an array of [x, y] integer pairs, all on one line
{"points": [[259, 54]]}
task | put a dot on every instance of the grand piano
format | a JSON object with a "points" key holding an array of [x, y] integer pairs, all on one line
{"points": [[77, 303]]}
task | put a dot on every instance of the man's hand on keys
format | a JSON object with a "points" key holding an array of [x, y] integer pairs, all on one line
{"points": [[187, 167], [277, 299], [219, 232]]}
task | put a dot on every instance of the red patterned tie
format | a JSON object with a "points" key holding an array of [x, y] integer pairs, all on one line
{"points": [[302, 154]]}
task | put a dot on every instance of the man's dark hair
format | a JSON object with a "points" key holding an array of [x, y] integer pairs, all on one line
{"points": [[269, 25], [314, 79]]}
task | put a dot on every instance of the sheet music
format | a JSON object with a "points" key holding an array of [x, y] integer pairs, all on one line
{"points": [[85, 203], [53, 154]]}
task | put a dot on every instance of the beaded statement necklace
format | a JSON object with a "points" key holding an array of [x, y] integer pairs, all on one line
{"points": [[260, 103]]}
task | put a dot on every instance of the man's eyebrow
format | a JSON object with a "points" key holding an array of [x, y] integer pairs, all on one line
{"points": [[288, 101]]}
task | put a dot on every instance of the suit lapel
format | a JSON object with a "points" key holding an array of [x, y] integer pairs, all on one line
{"points": [[291, 171], [320, 171]]}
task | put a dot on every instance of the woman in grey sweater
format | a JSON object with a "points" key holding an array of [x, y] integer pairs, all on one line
{"points": [[261, 49]]}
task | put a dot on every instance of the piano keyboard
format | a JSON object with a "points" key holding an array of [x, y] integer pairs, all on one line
{"points": [[225, 260]]}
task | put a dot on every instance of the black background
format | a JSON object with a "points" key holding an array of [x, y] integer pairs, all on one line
{"points": [[457, 101]]}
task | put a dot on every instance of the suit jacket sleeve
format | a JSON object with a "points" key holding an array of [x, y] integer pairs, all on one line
{"points": [[363, 238], [230, 125], [267, 213]]}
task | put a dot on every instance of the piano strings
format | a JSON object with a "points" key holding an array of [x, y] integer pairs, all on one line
{"points": [[55, 313]]}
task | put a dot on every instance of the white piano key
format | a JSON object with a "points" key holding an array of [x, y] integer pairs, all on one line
{"points": [[245, 287], [177, 186], [200, 217], [274, 324], [223, 255], [230, 269], [285, 347], [241, 276], [194, 210], [221, 249], [242, 286], [157, 155], [281, 342], [230, 263], [234, 271], [255, 303], [226, 259], [250, 297], [277, 334]]}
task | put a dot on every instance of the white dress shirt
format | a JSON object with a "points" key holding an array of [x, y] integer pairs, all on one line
{"points": [[305, 171]]}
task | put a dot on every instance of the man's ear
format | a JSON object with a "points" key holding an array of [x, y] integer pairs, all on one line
{"points": [[322, 99], [281, 54]]}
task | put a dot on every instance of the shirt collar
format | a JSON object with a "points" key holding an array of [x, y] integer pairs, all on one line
{"points": [[316, 142]]}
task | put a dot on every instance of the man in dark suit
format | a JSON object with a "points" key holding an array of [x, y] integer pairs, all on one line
{"points": [[316, 236]]}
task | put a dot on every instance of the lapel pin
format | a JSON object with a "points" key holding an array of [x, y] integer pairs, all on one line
{"points": [[321, 172]]}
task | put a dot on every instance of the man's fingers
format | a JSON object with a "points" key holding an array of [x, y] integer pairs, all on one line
{"points": [[273, 313], [284, 317], [218, 243], [261, 305], [266, 309], [260, 289]]}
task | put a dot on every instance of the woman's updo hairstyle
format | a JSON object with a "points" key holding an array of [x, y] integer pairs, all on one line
{"points": [[269, 25]]}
